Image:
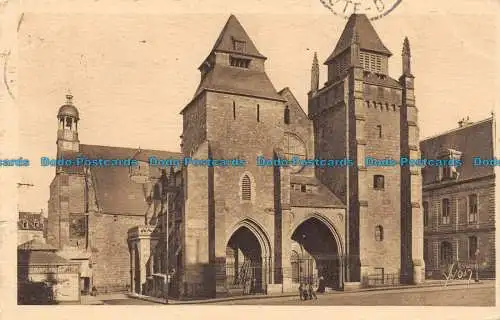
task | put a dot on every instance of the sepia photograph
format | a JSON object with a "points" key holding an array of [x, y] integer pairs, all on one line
{"points": [[298, 153]]}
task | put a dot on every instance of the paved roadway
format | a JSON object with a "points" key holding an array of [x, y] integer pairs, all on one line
{"points": [[475, 295]]}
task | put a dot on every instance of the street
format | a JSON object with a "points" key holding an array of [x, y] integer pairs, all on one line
{"points": [[476, 295]]}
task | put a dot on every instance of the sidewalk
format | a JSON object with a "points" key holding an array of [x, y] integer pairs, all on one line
{"points": [[98, 300], [427, 284]]}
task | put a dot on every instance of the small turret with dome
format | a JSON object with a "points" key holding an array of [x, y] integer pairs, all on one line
{"points": [[67, 132]]}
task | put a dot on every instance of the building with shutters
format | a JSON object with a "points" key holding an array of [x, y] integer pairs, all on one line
{"points": [[218, 231], [459, 202], [31, 225]]}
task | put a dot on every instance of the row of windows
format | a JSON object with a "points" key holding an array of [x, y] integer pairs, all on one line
{"points": [[302, 187], [239, 62], [472, 212], [36, 224], [446, 250]]}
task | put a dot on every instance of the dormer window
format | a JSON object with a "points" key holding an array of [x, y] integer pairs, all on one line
{"points": [[448, 170], [239, 62], [239, 45]]}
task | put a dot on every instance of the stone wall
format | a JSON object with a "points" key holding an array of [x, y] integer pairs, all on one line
{"points": [[383, 204], [110, 253]]}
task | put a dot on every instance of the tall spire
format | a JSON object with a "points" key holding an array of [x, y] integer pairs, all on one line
{"points": [[406, 57], [315, 74], [234, 39], [368, 38], [235, 66]]}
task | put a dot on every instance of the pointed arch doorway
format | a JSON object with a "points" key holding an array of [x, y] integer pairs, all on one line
{"points": [[247, 261], [316, 255]]}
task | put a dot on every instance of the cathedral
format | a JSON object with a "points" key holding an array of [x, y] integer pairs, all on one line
{"points": [[208, 231]]}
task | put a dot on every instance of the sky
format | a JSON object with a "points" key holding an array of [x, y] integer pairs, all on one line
{"points": [[132, 68]]}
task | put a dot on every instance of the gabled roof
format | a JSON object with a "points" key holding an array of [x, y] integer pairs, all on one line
{"points": [[107, 152], [288, 95], [115, 191], [36, 245], [322, 198], [239, 81], [368, 37], [36, 252], [474, 140], [233, 30]]}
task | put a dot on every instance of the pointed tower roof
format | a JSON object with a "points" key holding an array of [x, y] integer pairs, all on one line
{"points": [[359, 25], [234, 31]]}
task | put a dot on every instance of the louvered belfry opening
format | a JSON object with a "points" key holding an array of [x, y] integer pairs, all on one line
{"points": [[246, 188]]}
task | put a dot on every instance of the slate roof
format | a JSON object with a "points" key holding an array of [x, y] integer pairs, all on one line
{"points": [[474, 140], [239, 81], [38, 252], [36, 245], [368, 37], [386, 81], [115, 192], [322, 198], [107, 152], [42, 257], [234, 30]]}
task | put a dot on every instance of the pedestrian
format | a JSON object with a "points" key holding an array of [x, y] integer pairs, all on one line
{"points": [[301, 295], [304, 292], [311, 292], [321, 285]]}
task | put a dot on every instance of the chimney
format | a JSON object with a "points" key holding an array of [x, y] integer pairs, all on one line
{"points": [[464, 122]]}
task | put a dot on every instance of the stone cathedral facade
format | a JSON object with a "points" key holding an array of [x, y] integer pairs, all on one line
{"points": [[216, 231]]}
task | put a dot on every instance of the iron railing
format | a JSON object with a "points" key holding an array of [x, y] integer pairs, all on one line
{"points": [[381, 279]]}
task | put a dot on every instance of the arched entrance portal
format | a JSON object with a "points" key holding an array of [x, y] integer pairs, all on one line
{"points": [[245, 264], [316, 256]]}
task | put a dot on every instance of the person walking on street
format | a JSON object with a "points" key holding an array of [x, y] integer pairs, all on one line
{"points": [[311, 292], [301, 294]]}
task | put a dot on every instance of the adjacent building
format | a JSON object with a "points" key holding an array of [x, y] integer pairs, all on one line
{"points": [[459, 201], [91, 208], [43, 276], [31, 225]]}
